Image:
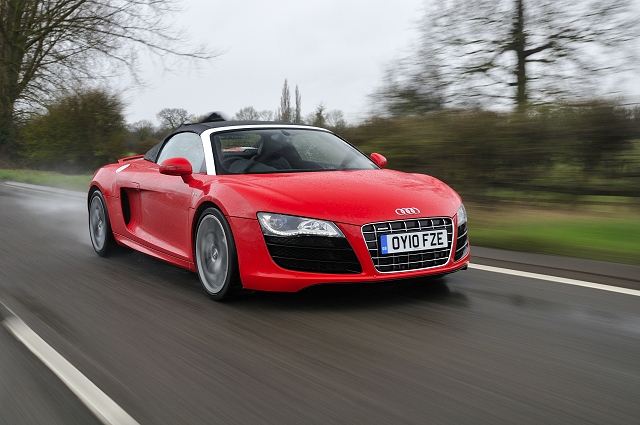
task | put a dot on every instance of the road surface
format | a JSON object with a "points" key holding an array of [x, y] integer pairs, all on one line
{"points": [[476, 347]]}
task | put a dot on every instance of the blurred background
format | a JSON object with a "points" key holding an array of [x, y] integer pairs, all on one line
{"points": [[530, 109]]}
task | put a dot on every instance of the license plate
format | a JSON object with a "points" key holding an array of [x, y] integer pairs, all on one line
{"points": [[409, 242]]}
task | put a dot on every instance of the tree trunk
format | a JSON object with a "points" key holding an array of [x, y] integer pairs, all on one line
{"points": [[7, 132], [12, 52], [7, 125], [519, 46]]}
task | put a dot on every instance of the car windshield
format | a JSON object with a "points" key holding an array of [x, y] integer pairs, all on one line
{"points": [[284, 150]]}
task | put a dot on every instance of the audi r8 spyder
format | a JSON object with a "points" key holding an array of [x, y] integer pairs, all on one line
{"points": [[276, 207]]}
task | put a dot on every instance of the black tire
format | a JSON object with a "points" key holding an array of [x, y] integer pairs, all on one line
{"points": [[216, 256], [99, 225]]}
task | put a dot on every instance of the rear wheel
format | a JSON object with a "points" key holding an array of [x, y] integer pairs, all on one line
{"points": [[99, 225], [216, 257]]}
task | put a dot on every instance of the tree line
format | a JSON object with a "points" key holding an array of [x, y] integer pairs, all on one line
{"points": [[589, 147], [85, 128], [292, 112], [567, 149]]}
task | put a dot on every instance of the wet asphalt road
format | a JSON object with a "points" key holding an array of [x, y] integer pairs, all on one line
{"points": [[477, 347]]}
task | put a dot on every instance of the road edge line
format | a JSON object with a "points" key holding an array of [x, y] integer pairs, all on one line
{"points": [[100, 404], [47, 189], [549, 278]]}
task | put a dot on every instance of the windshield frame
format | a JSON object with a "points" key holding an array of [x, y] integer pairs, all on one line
{"points": [[214, 167]]}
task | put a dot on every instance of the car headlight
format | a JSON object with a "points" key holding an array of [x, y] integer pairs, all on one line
{"points": [[462, 215], [288, 225]]}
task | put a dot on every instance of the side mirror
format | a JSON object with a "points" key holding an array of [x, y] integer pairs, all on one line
{"points": [[380, 160], [177, 167]]}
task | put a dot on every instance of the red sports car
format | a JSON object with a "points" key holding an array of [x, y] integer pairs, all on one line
{"points": [[276, 207]]}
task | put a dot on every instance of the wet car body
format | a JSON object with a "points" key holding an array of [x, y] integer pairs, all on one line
{"points": [[248, 178]]}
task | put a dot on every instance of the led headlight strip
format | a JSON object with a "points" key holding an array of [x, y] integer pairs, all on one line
{"points": [[287, 225]]}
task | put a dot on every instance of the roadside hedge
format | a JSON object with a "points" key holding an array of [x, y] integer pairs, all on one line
{"points": [[584, 149]]}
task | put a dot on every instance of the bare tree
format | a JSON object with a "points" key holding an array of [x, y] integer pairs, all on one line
{"points": [[526, 50], [335, 120], [247, 113], [172, 118], [50, 45], [143, 129], [319, 117], [265, 115], [410, 88]]}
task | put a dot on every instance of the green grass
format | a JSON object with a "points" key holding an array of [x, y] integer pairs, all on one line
{"points": [[607, 237], [47, 178]]}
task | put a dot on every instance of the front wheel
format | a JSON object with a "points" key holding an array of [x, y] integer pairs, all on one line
{"points": [[216, 257], [99, 225]]}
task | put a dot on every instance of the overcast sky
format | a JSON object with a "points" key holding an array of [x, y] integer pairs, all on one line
{"points": [[335, 51]]}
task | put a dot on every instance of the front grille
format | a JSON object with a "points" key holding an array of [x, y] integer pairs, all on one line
{"points": [[413, 260], [462, 242], [313, 254]]}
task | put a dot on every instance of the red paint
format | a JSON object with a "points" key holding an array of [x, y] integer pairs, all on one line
{"points": [[380, 160], [163, 206], [177, 167]]}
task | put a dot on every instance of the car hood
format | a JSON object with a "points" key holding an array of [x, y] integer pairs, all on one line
{"points": [[353, 197]]}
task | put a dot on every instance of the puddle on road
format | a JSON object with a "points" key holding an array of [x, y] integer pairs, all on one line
{"points": [[563, 309], [61, 214], [607, 319]]}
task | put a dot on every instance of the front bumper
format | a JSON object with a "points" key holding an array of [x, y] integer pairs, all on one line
{"points": [[258, 271]]}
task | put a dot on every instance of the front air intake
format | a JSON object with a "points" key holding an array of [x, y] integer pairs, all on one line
{"points": [[462, 242], [317, 254]]}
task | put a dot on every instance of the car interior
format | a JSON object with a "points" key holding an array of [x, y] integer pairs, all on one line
{"points": [[269, 151]]}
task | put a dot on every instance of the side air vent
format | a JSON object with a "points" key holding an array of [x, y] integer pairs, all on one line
{"points": [[126, 206]]}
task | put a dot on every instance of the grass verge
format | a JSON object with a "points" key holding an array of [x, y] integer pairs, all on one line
{"points": [[584, 234], [47, 178]]}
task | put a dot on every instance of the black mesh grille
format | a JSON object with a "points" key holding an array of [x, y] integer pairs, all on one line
{"points": [[462, 242], [313, 254], [407, 261]]}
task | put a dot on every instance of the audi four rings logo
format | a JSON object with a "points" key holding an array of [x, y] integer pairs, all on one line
{"points": [[407, 211]]}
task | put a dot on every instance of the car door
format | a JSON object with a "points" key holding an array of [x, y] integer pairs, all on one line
{"points": [[165, 200]]}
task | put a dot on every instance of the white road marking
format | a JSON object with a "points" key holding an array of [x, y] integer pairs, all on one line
{"points": [[556, 279], [39, 188], [105, 409]]}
